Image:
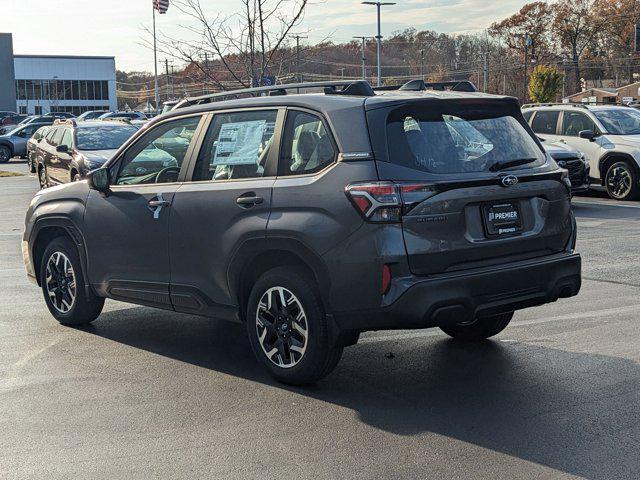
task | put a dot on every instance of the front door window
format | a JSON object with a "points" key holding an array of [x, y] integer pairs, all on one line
{"points": [[158, 156]]}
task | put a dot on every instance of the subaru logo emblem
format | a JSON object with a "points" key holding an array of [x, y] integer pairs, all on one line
{"points": [[509, 180]]}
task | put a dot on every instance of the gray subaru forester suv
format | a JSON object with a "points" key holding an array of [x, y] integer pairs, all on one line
{"points": [[312, 217]]}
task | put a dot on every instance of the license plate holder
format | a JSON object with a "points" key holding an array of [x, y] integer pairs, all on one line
{"points": [[502, 219]]}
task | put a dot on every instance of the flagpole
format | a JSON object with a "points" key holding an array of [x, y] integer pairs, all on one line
{"points": [[155, 60]]}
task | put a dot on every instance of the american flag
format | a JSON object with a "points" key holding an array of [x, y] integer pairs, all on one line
{"points": [[161, 5]]}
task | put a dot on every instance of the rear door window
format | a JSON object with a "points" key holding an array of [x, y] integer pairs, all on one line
{"points": [[545, 122], [459, 142], [237, 146]]}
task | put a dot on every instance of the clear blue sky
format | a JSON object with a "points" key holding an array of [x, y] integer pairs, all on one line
{"points": [[116, 27]]}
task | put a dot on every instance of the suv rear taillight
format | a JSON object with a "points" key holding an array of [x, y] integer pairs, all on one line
{"points": [[386, 202]]}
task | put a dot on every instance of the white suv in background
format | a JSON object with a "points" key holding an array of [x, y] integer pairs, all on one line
{"points": [[608, 135]]}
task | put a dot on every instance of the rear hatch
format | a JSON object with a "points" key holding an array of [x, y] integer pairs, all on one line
{"points": [[476, 186]]}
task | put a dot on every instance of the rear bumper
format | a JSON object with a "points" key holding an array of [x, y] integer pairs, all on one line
{"points": [[458, 297]]}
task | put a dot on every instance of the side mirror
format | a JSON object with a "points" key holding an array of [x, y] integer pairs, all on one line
{"points": [[62, 148], [587, 135], [99, 179]]}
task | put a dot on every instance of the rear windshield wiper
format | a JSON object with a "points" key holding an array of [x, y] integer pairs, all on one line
{"points": [[496, 167]]}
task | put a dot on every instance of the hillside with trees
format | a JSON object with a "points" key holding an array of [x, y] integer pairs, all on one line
{"points": [[585, 40]]}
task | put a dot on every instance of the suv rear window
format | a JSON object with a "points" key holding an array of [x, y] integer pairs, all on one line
{"points": [[455, 141]]}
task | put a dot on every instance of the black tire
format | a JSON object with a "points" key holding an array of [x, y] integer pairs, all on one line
{"points": [[5, 154], [43, 178], [480, 328], [320, 356], [82, 309], [32, 166], [75, 177], [621, 181]]}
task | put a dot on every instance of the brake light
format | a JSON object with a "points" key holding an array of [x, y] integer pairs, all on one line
{"points": [[385, 202], [377, 202]]}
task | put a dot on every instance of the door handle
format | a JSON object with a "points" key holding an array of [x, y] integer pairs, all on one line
{"points": [[159, 203], [156, 205], [247, 202]]}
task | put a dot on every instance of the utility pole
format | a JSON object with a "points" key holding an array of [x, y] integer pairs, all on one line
{"points": [[364, 59], [379, 36], [422, 64], [166, 74], [485, 73], [206, 69], [527, 42], [298, 73], [155, 60], [341, 70]]}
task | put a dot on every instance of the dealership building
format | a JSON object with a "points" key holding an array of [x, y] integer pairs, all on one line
{"points": [[37, 84]]}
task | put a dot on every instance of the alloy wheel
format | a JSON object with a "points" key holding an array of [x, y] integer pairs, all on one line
{"points": [[619, 181], [282, 327], [60, 282]]}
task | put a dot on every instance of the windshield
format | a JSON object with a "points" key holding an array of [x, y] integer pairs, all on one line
{"points": [[107, 137], [444, 143], [620, 121]]}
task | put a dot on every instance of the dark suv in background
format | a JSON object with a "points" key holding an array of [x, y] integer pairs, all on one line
{"points": [[70, 149], [312, 218]]}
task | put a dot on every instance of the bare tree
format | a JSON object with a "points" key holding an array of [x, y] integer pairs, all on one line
{"points": [[576, 24], [237, 49]]}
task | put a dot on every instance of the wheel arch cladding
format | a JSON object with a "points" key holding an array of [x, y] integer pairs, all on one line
{"points": [[255, 258], [45, 231], [610, 158]]}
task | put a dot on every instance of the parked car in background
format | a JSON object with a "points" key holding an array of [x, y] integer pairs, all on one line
{"points": [[10, 119], [608, 135], [128, 115], [32, 143], [91, 114], [27, 119], [70, 149], [313, 218], [47, 119], [572, 160], [14, 143]]}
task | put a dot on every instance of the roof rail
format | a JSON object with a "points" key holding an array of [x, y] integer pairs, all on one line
{"points": [[65, 121], [419, 85], [347, 87], [573, 104]]}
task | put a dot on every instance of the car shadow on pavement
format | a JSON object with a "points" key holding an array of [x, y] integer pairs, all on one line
{"points": [[574, 412], [605, 212]]}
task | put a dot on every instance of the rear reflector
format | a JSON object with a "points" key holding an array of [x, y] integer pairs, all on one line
{"points": [[386, 279]]}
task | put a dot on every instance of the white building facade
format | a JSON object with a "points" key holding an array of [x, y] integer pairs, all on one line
{"points": [[64, 84], [38, 84]]}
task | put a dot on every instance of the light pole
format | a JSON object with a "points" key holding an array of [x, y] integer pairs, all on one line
{"points": [[379, 36]]}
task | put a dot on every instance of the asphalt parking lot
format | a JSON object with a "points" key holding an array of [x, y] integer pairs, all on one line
{"points": [[143, 393]]}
